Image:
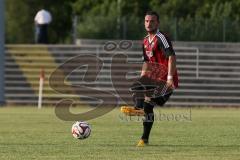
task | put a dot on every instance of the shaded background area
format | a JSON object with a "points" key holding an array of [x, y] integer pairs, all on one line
{"points": [[208, 20]]}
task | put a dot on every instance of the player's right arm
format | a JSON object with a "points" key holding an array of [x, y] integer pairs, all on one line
{"points": [[144, 66], [144, 69]]}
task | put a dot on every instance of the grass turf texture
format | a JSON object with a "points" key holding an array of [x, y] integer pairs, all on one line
{"points": [[211, 133]]}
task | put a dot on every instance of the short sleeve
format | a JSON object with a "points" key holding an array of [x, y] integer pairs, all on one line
{"points": [[166, 45]]}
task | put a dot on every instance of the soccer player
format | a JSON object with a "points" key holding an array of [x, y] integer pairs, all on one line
{"points": [[157, 52]]}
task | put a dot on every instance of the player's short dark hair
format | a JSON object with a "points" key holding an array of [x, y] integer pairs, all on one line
{"points": [[152, 13]]}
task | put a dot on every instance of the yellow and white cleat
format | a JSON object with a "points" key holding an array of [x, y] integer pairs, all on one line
{"points": [[132, 111], [141, 143]]}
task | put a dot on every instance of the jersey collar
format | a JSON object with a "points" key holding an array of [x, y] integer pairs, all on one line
{"points": [[150, 40]]}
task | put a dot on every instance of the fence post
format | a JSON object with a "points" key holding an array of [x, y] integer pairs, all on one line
{"points": [[74, 29], [2, 53], [119, 19], [41, 83], [224, 29], [124, 28], [175, 28]]}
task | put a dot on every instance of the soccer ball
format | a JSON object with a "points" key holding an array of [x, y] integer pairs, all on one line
{"points": [[81, 130]]}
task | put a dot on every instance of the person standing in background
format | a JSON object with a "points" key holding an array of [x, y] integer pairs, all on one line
{"points": [[42, 19]]}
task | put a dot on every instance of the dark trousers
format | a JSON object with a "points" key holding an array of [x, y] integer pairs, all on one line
{"points": [[42, 34], [149, 114]]}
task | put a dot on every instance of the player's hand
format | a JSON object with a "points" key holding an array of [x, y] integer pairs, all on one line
{"points": [[170, 83]]}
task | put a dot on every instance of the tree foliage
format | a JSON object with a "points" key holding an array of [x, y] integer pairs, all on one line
{"points": [[188, 20]]}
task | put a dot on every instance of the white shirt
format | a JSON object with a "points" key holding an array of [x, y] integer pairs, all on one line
{"points": [[43, 17]]}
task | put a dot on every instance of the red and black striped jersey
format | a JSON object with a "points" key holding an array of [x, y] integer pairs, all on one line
{"points": [[156, 52]]}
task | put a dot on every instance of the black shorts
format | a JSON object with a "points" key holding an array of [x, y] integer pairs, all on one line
{"points": [[158, 92]]}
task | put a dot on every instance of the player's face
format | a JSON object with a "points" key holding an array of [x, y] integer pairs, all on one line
{"points": [[151, 23]]}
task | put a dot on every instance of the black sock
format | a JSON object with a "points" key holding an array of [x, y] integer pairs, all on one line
{"points": [[148, 120]]}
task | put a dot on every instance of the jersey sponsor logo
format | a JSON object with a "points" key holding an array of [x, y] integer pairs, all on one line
{"points": [[149, 54]]}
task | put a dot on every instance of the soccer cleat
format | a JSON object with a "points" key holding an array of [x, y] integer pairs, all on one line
{"points": [[142, 143], [132, 111]]}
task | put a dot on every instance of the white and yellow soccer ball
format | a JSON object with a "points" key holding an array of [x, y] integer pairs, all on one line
{"points": [[81, 130]]}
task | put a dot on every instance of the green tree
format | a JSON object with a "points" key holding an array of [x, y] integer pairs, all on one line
{"points": [[18, 29], [110, 19]]}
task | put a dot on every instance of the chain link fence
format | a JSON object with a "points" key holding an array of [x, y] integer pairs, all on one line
{"points": [[179, 29]]}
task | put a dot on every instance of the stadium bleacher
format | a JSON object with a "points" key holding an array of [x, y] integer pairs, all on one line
{"points": [[209, 73]]}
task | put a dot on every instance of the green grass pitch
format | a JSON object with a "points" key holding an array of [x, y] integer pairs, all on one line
{"points": [[202, 134]]}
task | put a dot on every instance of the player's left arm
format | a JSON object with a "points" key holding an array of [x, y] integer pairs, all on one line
{"points": [[145, 60], [171, 70], [170, 54]]}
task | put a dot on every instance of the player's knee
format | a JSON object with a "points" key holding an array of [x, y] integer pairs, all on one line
{"points": [[160, 101]]}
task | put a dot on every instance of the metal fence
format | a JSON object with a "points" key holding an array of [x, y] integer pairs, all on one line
{"points": [[179, 29]]}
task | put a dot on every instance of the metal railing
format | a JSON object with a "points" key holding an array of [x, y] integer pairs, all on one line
{"points": [[206, 78]]}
